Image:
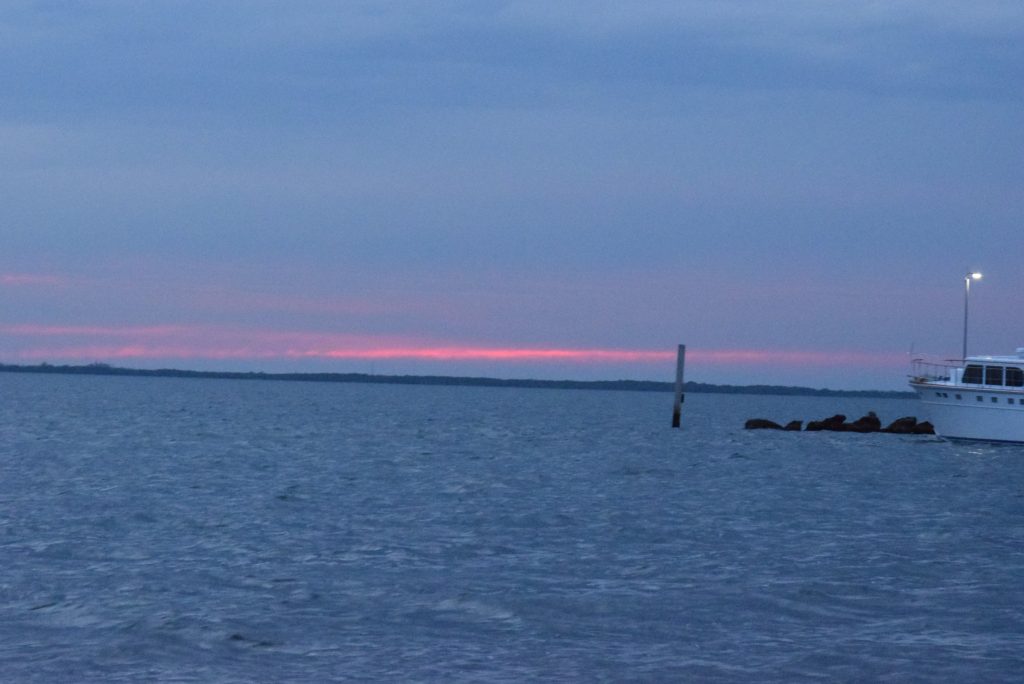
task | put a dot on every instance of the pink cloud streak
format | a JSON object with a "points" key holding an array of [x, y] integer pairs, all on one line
{"points": [[33, 330], [496, 354], [26, 279], [87, 342]]}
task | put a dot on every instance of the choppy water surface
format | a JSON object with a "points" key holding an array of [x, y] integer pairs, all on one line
{"points": [[213, 530]]}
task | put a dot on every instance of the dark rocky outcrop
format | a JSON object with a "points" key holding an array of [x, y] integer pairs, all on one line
{"points": [[868, 423], [765, 424], [902, 426], [907, 425], [835, 423], [924, 428], [761, 424]]}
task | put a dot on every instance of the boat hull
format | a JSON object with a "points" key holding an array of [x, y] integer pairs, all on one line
{"points": [[984, 415]]}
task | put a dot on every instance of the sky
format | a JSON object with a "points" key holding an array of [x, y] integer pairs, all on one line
{"points": [[523, 189]]}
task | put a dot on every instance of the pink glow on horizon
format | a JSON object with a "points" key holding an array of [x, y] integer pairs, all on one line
{"points": [[182, 342], [29, 279], [33, 330], [246, 301], [496, 354], [794, 357], [113, 352], [93, 352]]}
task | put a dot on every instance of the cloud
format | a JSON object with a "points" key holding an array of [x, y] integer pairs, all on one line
{"points": [[603, 17], [261, 62], [220, 343]]}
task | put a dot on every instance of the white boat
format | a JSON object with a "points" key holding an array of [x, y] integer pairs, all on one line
{"points": [[981, 397]]}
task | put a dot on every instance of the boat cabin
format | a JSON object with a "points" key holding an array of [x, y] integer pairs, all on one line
{"points": [[994, 371], [998, 375]]}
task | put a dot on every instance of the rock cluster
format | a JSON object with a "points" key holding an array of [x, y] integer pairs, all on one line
{"points": [[907, 425], [762, 424]]}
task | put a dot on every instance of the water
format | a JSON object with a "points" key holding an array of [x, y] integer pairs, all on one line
{"points": [[231, 531]]}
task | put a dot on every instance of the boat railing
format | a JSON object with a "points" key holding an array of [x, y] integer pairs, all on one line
{"points": [[928, 370]]}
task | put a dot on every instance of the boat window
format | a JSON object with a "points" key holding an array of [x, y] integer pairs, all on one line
{"points": [[959, 397], [980, 398], [993, 375], [972, 374], [1014, 377], [995, 400]]}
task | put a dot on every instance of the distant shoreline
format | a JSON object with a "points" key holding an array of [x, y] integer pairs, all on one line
{"points": [[608, 385]]}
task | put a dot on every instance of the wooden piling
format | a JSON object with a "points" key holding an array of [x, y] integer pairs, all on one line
{"points": [[677, 407]]}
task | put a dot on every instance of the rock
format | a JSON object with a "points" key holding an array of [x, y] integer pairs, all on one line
{"points": [[836, 423], [907, 425], [902, 426], [924, 428], [868, 423], [761, 424]]}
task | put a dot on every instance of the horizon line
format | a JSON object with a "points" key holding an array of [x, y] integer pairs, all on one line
{"points": [[99, 368]]}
